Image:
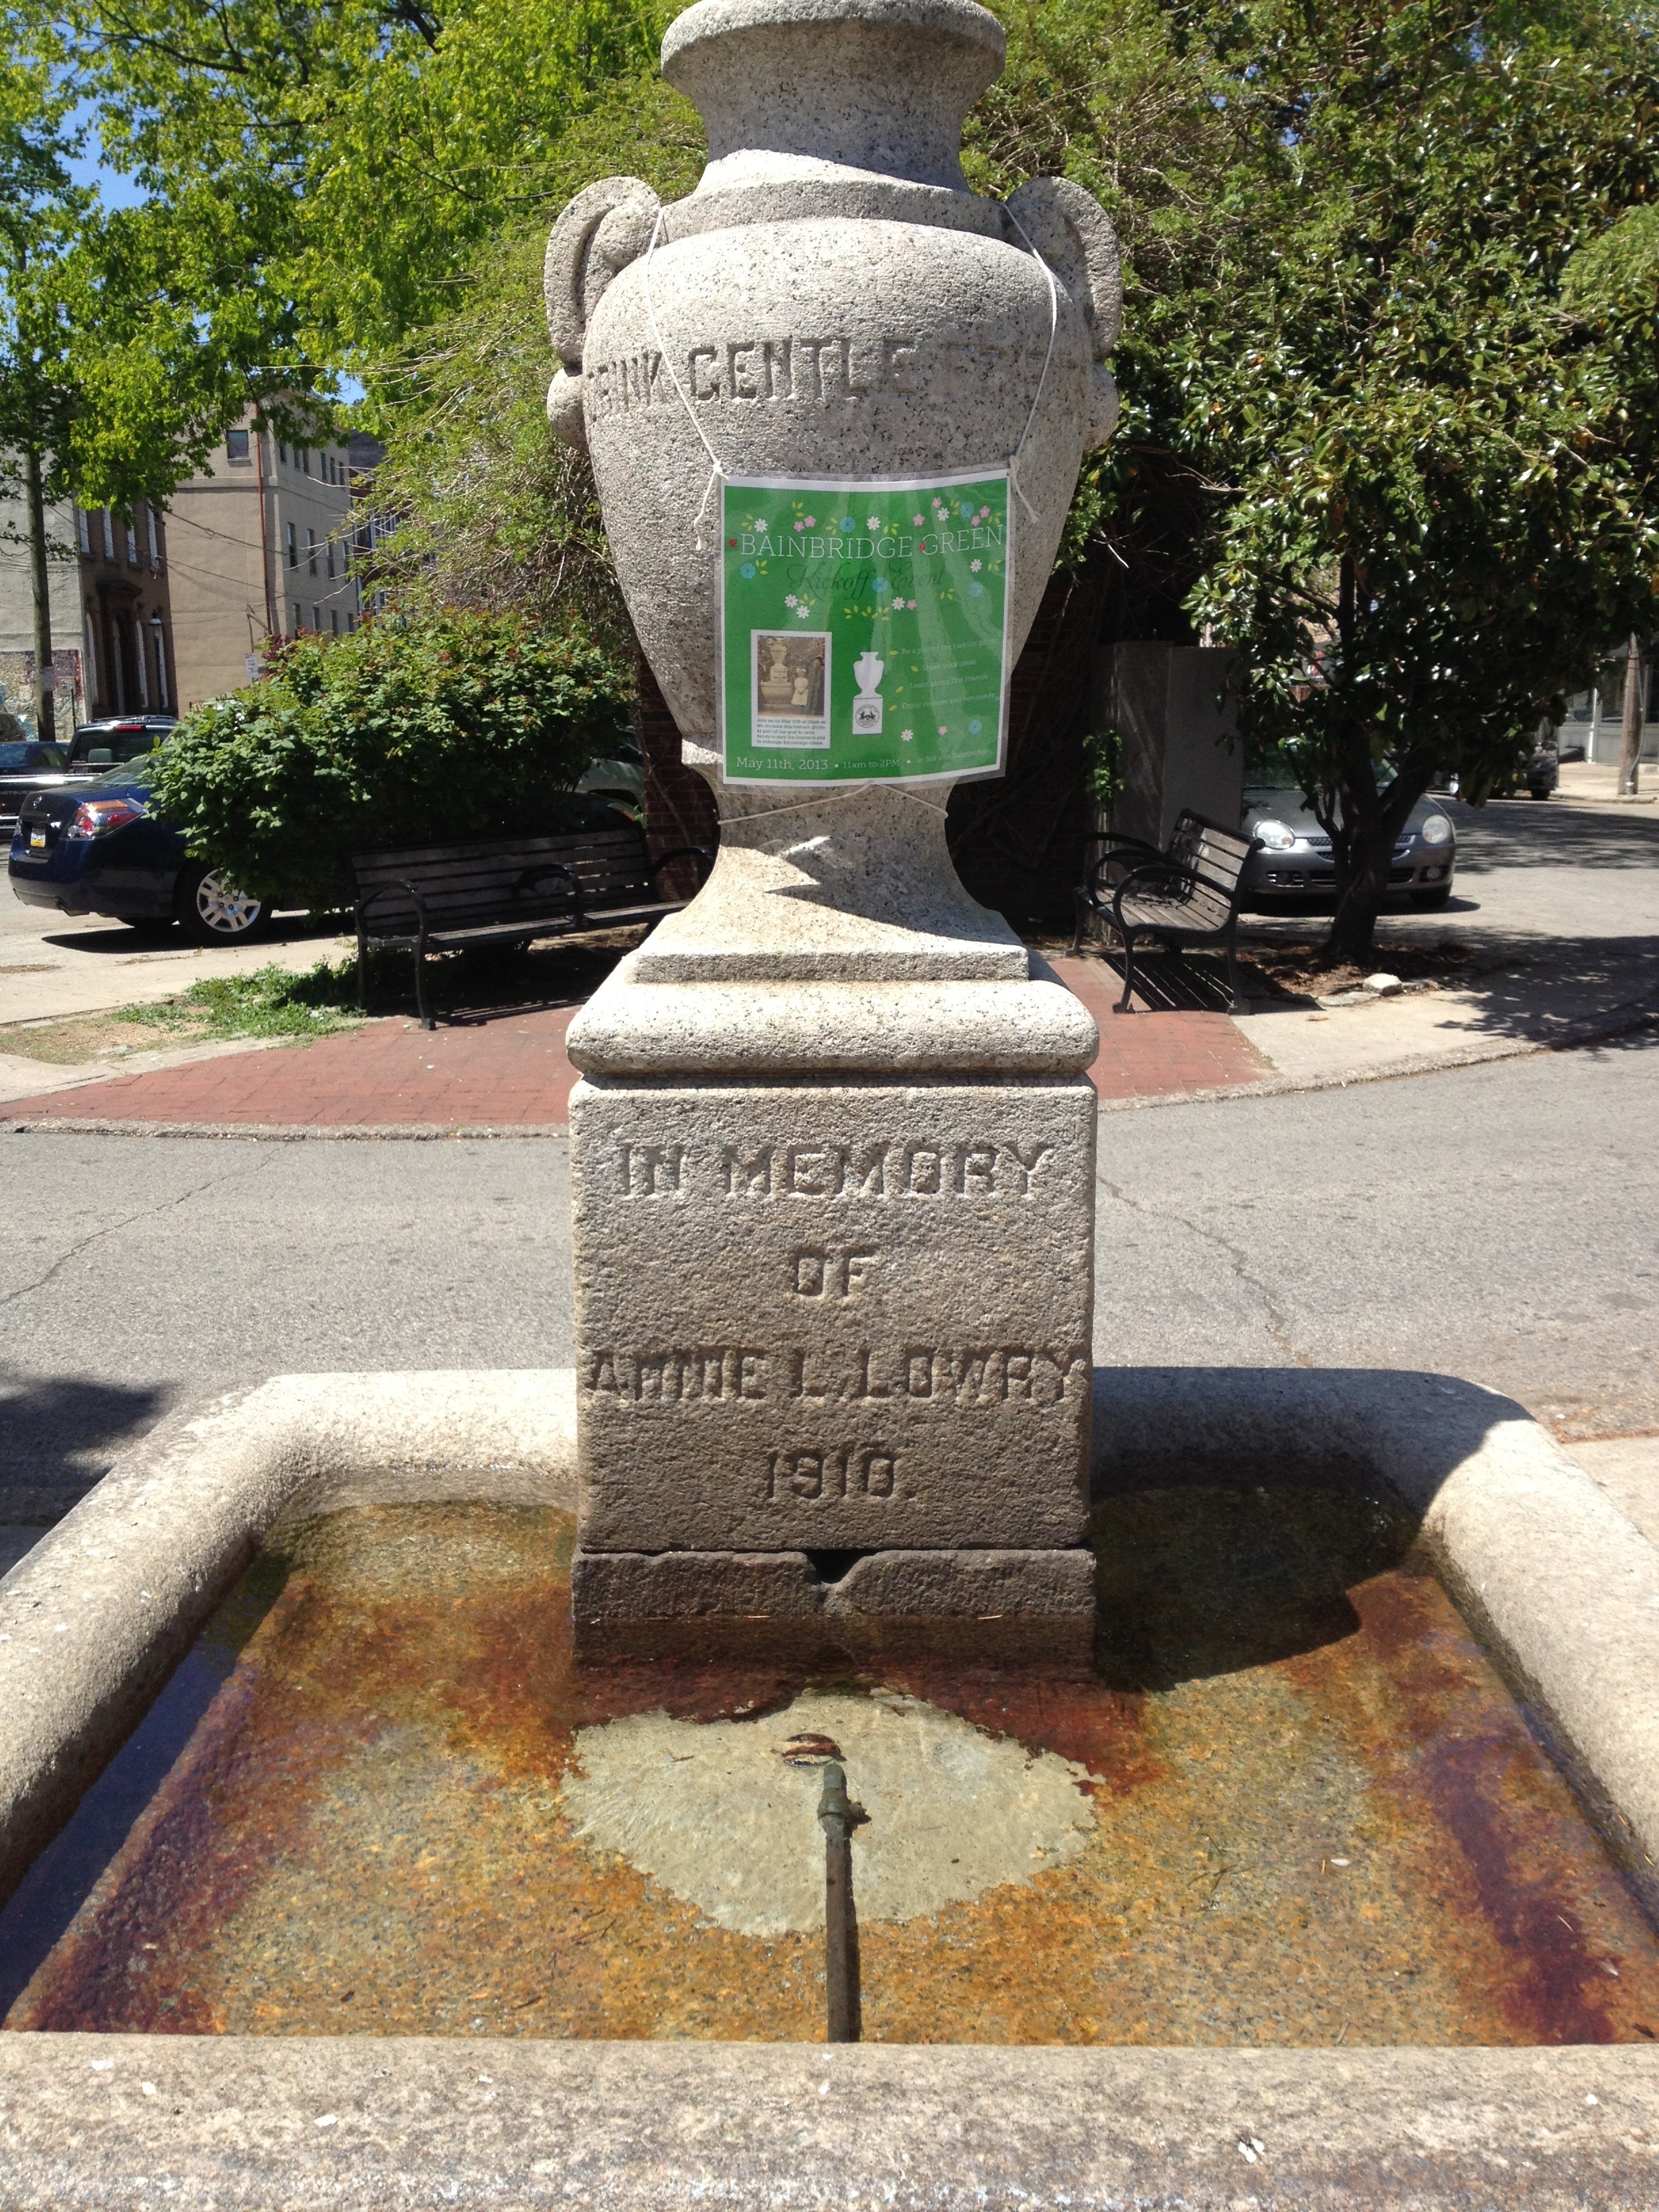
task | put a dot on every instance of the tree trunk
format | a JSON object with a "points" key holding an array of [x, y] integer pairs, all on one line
{"points": [[45, 710], [1359, 900], [1629, 732]]}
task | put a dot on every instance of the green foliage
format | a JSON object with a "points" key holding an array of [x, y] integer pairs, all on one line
{"points": [[1102, 755], [129, 337], [467, 726], [362, 150], [1617, 273], [483, 508], [272, 1002]]}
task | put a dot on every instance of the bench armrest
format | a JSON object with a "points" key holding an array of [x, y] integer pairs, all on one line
{"points": [[1151, 876], [686, 853], [379, 892], [534, 877]]}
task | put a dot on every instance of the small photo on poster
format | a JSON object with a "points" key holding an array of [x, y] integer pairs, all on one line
{"points": [[789, 671]]}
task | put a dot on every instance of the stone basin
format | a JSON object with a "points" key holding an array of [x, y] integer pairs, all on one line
{"points": [[438, 1914]]}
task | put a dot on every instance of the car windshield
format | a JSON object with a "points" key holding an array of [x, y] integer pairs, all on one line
{"points": [[17, 760]]}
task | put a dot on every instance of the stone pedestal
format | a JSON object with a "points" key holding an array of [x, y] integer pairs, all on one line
{"points": [[833, 1224]]}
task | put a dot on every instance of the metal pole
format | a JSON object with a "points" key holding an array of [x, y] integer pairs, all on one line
{"points": [[836, 1818]]}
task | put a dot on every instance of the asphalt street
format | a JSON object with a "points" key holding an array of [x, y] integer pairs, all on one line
{"points": [[1495, 1223]]}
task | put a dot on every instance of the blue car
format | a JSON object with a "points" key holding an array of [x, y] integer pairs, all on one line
{"points": [[97, 848]]}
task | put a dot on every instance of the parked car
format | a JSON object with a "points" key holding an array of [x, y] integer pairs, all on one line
{"points": [[92, 749], [1543, 770], [98, 746], [1292, 854], [621, 779], [95, 847], [26, 766]]}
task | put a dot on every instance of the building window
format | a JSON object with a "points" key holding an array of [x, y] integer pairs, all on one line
{"points": [[282, 452], [133, 547], [316, 618], [293, 561], [294, 632], [310, 551], [109, 534], [329, 556], [334, 620], [83, 529], [236, 446], [150, 523], [305, 462]]}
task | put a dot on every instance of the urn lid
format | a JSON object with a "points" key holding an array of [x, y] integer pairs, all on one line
{"points": [[832, 88]]}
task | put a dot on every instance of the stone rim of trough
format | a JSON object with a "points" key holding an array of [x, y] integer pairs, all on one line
{"points": [[1559, 1583]]}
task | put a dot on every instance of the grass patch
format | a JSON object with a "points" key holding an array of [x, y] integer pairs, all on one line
{"points": [[272, 1002]]}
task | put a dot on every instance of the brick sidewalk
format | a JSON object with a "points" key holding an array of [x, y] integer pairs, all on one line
{"points": [[508, 1071]]}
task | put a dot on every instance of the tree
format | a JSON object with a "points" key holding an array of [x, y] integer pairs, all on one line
{"points": [[1432, 485], [129, 338], [368, 149]]}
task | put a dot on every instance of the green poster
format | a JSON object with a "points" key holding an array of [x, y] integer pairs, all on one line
{"points": [[863, 629]]}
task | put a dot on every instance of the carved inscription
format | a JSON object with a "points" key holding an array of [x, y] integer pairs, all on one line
{"points": [[855, 1471], [801, 371], [957, 1377]]}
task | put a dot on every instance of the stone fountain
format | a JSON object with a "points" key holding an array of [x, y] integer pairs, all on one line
{"points": [[833, 1161], [833, 1158]]}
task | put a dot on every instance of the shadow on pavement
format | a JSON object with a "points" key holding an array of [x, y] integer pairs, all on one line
{"points": [[1518, 833], [59, 1434]]}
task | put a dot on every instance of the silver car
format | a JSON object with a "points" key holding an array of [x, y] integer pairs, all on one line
{"points": [[1292, 854]]}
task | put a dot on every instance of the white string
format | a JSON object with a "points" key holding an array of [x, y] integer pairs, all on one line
{"points": [[1054, 327], [818, 797], [716, 472]]}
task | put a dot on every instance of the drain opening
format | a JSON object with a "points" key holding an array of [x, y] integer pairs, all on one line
{"points": [[833, 1566]]}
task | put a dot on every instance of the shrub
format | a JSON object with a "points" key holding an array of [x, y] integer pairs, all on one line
{"points": [[463, 726]]}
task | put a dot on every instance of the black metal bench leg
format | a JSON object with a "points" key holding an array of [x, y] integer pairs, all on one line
{"points": [[1123, 1006], [1232, 976], [1082, 917], [422, 1000], [362, 966]]}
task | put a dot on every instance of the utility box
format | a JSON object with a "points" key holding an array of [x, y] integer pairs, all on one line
{"points": [[1171, 706]]}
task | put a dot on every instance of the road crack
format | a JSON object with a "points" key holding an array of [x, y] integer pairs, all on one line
{"points": [[1276, 1321], [129, 1221]]}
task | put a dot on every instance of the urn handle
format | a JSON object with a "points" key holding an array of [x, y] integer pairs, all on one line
{"points": [[602, 229], [1074, 233]]}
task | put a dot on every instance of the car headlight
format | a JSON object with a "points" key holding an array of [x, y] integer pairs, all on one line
{"points": [[1275, 835], [1437, 830]]}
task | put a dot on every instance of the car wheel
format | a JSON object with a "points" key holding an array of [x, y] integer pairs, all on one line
{"points": [[213, 910], [1433, 898]]}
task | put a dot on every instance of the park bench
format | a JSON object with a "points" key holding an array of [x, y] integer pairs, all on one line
{"points": [[445, 898], [1187, 894]]}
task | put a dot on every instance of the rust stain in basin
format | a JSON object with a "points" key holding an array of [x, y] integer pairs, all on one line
{"points": [[1318, 1817]]}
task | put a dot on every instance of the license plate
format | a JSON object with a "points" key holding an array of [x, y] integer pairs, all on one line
{"points": [[37, 841]]}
